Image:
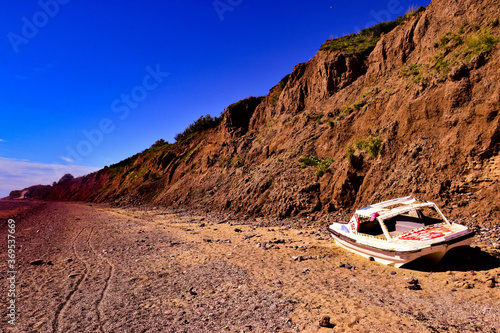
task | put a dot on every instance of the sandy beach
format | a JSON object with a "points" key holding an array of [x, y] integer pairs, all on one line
{"points": [[94, 268]]}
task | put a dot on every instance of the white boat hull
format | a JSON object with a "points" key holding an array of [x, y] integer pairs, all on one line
{"points": [[399, 258]]}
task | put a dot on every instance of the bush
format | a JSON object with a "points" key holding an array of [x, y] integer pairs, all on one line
{"points": [[202, 124], [322, 166], [308, 161], [65, 179], [364, 42], [374, 147], [358, 105], [360, 144], [482, 41], [349, 154], [159, 143]]}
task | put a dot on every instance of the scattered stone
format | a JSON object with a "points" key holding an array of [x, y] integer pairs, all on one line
{"points": [[464, 285], [371, 259], [472, 273], [37, 262], [278, 241], [207, 240], [238, 230], [419, 316], [202, 225], [325, 322], [50, 263], [393, 273], [277, 282], [490, 283], [73, 275], [192, 291], [453, 289], [414, 285]]}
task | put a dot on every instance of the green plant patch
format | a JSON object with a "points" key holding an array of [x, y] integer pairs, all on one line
{"points": [[321, 165], [364, 42]]}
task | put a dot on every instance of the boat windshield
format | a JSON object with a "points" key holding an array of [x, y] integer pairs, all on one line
{"points": [[412, 219]]}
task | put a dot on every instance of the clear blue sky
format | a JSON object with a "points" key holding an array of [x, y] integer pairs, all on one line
{"points": [[128, 73]]}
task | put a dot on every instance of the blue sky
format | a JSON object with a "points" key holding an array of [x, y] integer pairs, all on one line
{"points": [[88, 83]]}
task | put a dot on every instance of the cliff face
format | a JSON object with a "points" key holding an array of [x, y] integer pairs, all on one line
{"points": [[417, 114]]}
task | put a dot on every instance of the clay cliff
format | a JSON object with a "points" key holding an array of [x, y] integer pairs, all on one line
{"points": [[404, 108]]}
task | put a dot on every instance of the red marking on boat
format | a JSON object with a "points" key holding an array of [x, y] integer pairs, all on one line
{"points": [[427, 234]]}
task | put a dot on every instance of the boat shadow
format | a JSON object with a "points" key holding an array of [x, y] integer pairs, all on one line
{"points": [[459, 259]]}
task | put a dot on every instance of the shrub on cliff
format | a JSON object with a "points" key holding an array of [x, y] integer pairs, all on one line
{"points": [[366, 40], [203, 123]]}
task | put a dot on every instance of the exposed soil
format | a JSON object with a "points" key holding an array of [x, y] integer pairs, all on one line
{"points": [[93, 268]]}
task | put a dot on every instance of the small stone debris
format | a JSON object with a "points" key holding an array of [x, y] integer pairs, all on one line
{"points": [[414, 285], [490, 283], [393, 273], [347, 266], [277, 282], [37, 262], [278, 241], [192, 291], [325, 322], [202, 225], [238, 230], [303, 258], [207, 240], [73, 275]]}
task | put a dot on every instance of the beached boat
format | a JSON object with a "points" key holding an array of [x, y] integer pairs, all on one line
{"points": [[398, 231]]}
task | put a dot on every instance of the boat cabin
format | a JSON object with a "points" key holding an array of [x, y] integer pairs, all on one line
{"points": [[393, 218]]}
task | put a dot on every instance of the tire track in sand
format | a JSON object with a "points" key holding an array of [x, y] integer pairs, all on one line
{"points": [[111, 270], [62, 307]]}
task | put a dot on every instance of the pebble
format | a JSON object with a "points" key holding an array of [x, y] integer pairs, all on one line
{"points": [[325, 322], [414, 285], [37, 262]]}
